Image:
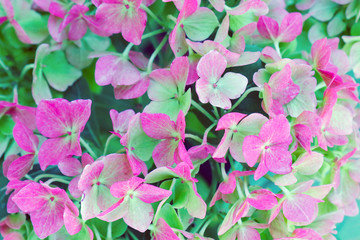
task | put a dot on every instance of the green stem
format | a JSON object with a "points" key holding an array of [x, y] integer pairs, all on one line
{"points": [[25, 69], [132, 235], [109, 233], [48, 175], [151, 14], [320, 86], [48, 182], [6, 69], [277, 48], [125, 53], [240, 193], [202, 110], [96, 232], [247, 92], [196, 138], [246, 186], [207, 132], [223, 171], [231, 160], [216, 113], [206, 224], [155, 53], [107, 143], [163, 202], [88, 148], [153, 33]]}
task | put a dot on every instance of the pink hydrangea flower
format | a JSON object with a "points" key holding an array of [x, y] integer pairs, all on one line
{"points": [[171, 149], [96, 180], [271, 146], [213, 88], [117, 16], [134, 204], [73, 168], [49, 209], [290, 28], [167, 89], [120, 121], [78, 23], [62, 122], [18, 167]]}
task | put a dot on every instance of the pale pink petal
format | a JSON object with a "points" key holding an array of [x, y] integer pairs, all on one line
{"points": [[179, 69], [116, 71], [300, 208], [115, 212], [260, 171], [211, 65], [320, 53], [133, 26], [73, 187], [309, 163], [139, 215], [177, 41], [303, 136], [232, 85], [121, 189], [278, 160]]}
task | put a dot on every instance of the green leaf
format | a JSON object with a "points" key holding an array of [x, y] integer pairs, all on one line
{"points": [[7, 124], [168, 213], [200, 25], [239, 21], [58, 72], [336, 25], [355, 29], [323, 10], [181, 194], [317, 31]]}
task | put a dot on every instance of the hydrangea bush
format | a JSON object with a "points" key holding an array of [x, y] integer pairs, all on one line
{"points": [[182, 119]]}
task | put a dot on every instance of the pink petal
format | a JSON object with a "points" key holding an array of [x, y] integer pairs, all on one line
{"points": [[252, 148], [177, 41], [116, 168], [73, 187], [31, 197], [150, 194], [303, 136], [262, 199], [70, 167], [309, 163], [24, 137], [20, 167], [121, 120], [52, 117], [229, 120], [320, 53], [53, 151], [306, 233], [8, 161], [180, 69], [158, 126], [77, 30], [261, 170], [116, 71], [164, 231], [163, 153], [224, 145], [47, 219], [278, 160], [268, 27], [300, 208], [116, 211], [132, 91], [89, 174], [72, 223], [291, 27], [121, 189], [276, 130], [211, 66]]}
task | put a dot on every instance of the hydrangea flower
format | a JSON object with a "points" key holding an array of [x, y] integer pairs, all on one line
{"points": [[271, 146], [62, 122], [213, 88]]}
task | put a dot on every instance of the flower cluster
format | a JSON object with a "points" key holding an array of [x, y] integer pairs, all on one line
{"points": [[182, 119]]}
